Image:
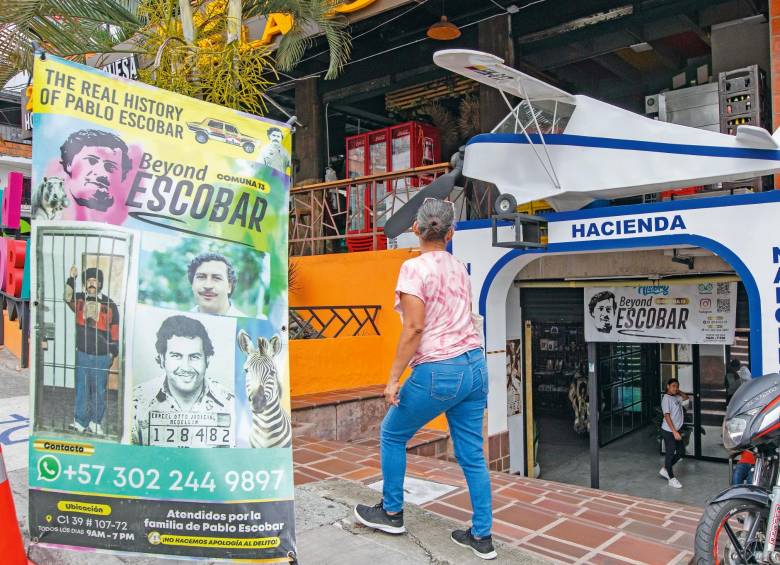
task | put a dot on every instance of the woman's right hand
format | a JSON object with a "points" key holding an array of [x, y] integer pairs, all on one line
{"points": [[391, 393], [677, 436]]}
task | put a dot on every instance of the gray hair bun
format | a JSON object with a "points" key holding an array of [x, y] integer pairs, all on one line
{"points": [[435, 219]]}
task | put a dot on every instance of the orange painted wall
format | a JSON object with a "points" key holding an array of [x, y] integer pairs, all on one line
{"points": [[341, 280], [368, 278], [12, 336], [318, 365]]}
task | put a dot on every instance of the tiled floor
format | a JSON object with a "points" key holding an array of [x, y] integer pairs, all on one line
{"points": [[567, 523]]}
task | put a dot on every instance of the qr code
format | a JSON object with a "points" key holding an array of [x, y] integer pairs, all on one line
{"points": [[723, 288], [724, 305]]}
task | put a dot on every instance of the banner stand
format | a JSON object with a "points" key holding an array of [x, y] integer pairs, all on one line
{"points": [[158, 268]]}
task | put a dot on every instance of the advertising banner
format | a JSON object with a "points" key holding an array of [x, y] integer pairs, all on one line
{"points": [[159, 291], [701, 313]]}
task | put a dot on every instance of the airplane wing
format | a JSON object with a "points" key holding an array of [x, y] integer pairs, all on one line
{"points": [[490, 70]]}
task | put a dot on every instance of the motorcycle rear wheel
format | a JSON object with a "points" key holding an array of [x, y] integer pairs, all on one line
{"points": [[721, 533]]}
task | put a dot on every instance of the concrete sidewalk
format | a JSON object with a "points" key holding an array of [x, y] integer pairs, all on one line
{"points": [[325, 526]]}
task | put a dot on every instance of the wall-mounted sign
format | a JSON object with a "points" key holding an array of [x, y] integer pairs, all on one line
{"points": [[703, 313], [127, 67]]}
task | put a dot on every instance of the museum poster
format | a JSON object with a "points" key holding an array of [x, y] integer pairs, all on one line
{"points": [[161, 397], [662, 313]]}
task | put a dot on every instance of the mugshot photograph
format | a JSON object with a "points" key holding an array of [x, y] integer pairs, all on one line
{"points": [[191, 402]]}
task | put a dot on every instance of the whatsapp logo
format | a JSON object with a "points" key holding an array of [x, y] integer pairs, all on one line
{"points": [[49, 468]]}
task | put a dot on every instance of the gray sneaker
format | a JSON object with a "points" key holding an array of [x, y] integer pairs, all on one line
{"points": [[482, 548], [376, 517]]}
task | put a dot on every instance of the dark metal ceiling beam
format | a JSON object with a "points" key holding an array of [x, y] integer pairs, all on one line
{"points": [[362, 114], [580, 51], [379, 85], [725, 12], [619, 67], [638, 17], [570, 51], [691, 24]]}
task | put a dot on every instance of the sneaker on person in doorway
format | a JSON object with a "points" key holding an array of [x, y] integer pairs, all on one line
{"points": [[674, 483], [664, 473], [482, 548], [96, 429], [376, 517]]}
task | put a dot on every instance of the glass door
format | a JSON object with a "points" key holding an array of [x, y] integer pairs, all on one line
{"points": [[711, 396], [626, 373]]}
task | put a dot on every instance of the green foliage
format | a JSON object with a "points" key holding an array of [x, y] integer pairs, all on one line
{"points": [[234, 74], [71, 29]]}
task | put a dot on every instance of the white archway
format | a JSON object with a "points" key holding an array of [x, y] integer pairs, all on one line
{"points": [[741, 230]]}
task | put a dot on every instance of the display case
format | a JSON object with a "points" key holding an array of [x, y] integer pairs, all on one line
{"points": [[559, 351], [395, 148]]}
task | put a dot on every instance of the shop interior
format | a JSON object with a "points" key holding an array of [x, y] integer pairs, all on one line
{"points": [[630, 381]]}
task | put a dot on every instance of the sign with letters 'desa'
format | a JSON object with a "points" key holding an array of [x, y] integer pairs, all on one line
{"points": [[701, 313], [159, 285]]}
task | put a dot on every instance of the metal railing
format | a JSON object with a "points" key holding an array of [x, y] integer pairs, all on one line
{"points": [[318, 322], [325, 216]]}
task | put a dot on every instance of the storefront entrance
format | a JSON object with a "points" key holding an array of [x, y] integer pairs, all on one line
{"points": [[630, 380]]}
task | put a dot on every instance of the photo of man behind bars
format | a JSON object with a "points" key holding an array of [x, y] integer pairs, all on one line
{"points": [[82, 280]]}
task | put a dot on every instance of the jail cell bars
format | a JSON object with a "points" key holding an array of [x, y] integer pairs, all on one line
{"points": [[76, 375]]}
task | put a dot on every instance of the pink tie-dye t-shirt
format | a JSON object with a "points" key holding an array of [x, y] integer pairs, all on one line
{"points": [[442, 283]]}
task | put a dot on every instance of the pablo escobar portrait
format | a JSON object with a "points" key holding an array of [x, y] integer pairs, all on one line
{"points": [[187, 405]]}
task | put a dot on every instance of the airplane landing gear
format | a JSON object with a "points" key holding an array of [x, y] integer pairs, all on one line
{"points": [[505, 204]]}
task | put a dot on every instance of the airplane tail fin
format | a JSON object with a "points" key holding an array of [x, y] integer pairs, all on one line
{"points": [[758, 138]]}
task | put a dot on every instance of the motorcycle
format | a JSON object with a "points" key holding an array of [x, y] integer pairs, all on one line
{"points": [[740, 525]]}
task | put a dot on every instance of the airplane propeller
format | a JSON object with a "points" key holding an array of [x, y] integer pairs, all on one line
{"points": [[439, 189]]}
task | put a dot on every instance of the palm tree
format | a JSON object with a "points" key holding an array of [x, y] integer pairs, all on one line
{"points": [[70, 29], [194, 47]]}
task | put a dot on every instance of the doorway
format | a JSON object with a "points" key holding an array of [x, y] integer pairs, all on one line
{"points": [[627, 397]]}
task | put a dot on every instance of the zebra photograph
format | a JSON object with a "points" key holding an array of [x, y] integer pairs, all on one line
{"points": [[271, 425]]}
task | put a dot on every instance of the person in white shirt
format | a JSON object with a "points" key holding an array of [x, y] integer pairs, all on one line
{"points": [[672, 405], [213, 280]]}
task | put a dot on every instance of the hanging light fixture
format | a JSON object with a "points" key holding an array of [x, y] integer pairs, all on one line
{"points": [[443, 30]]}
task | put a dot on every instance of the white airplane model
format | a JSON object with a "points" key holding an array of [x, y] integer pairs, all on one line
{"points": [[571, 149]]}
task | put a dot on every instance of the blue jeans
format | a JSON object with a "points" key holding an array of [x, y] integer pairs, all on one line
{"points": [[742, 474], [457, 387], [91, 379]]}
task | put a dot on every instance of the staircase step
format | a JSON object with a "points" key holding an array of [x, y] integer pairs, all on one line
{"points": [[354, 416], [714, 405]]}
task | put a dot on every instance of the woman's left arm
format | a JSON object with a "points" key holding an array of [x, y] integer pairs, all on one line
{"points": [[413, 309]]}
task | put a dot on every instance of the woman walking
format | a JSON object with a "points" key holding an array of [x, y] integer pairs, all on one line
{"points": [[672, 406], [449, 375]]}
